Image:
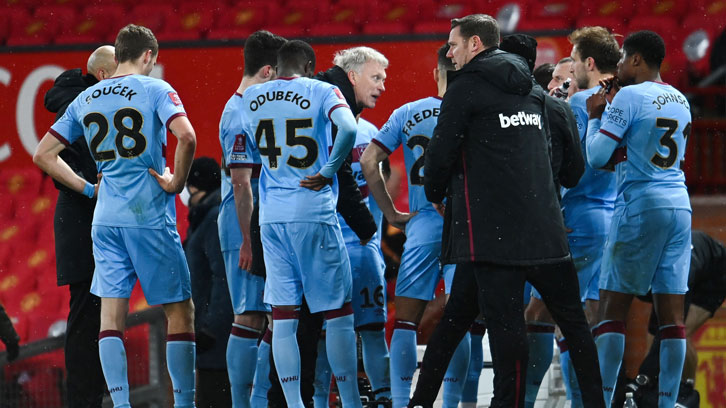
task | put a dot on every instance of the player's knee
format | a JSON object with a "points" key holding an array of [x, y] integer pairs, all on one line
{"points": [[345, 310], [370, 327], [255, 320]]}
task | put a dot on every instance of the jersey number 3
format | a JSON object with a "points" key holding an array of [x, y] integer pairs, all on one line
{"points": [[266, 128], [120, 122], [671, 125]]}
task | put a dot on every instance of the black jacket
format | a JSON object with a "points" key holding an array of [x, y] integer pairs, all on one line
{"points": [[489, 155], [73, 211], [568, 164], [65, 89], [213, 315], [350, 200]]}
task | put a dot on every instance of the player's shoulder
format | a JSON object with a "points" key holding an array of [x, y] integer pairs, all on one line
{"points": [[232, 109], [366, 126], [579, 99]]}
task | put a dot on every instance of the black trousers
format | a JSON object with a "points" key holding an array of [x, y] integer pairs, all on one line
{"points": [[309, 328], [85, 384], [498, 291], [213, 389]]}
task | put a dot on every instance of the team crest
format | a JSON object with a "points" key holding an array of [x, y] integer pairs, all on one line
{"points": [[240, 144], [175, 98]]}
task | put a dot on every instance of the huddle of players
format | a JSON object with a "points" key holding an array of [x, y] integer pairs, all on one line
{"points": [[278, 145]]}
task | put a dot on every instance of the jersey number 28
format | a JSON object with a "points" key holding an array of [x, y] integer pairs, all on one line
{"points": [[123, 132]]}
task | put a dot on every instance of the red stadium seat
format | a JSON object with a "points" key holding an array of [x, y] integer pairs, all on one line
{"points": [[25, 29], [16, 182], [288, 31], [333, 30], [150, 15], [709, 8], [564, 10], [669, 8], [192, 21], [607, 8], [666, 27], [349, 12], [614, 24], [386, 28], [97, 23], [432, 27], [298, 15], [545, 24], [4, 28], [58, 19], [405, 12], [445, 11], [695, 27], [509, 13]]}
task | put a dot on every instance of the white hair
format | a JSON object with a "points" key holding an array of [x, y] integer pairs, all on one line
{"points": [[352, 59]]}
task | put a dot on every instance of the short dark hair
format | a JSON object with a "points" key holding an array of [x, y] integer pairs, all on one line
{"points": [[260, 49], [523, 45], [295, 54], [482, 25], [204, 174], [133, 41], [649, 45], [598, 43], [543, 74], [444, 63]]}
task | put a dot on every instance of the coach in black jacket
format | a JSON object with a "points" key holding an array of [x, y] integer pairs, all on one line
{"points": [[73, 248], [489, 157]]}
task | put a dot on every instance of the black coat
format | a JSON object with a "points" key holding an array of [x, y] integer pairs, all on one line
{"points": [[502, 206], [350, 200], [213, 315], [73, 211]]}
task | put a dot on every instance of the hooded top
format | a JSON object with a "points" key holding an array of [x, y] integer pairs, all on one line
{"points": [[490, 157], [65, 89]]}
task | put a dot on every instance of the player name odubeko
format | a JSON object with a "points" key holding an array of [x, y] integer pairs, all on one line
{"points": [[121, 90], [420, 117], [271, 96]]}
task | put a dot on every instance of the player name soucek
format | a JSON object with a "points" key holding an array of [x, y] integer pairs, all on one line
{"points": [[120, 90], [280, 96]]}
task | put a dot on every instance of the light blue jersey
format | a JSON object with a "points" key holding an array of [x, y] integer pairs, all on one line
{"points": [[234, 154], [650, 121], [288, 124], [366, 132], [124, 121], [588, 206], [413, 125]]}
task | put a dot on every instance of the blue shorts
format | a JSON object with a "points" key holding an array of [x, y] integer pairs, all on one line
{"points": [[369, 285], [245, 289], [306, 259], [153, 256], [651, 249], [420, 271]]}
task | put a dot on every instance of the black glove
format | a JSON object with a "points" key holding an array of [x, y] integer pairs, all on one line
{"points": [[13, 349]]}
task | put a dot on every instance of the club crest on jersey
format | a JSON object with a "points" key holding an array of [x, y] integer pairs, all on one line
{"points": [[175, 98], [239, 148]]}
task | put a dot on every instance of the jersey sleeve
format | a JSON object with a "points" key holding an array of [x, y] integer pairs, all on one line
{"points": [[68, 128], [167, 102], [236, 147], [579, 110], [620, 115], [390, 136], [333, 99]]}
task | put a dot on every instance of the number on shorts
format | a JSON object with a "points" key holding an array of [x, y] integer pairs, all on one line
{"points": [[377, 297]]}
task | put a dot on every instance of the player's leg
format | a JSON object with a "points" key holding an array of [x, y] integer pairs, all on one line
{"points": [[417, 279], [540, 339], [328, 284], [284, 291], [246, 291], [181, 351], [476, 362], [369, 308], [609, 337], [113, 281], [261, 383], [670, 285], [455, 375], [323, 375], [557, 283]]}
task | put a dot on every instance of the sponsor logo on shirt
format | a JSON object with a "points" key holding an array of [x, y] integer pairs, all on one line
{"points": [[521, 119]]}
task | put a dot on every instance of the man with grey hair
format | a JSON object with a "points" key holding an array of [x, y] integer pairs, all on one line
{"points": [[489, 159], [74, 253]]}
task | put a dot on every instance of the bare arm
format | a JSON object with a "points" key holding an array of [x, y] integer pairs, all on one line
{"points": [[369, 162], [243, 203], [46, 157], [183, 156]]}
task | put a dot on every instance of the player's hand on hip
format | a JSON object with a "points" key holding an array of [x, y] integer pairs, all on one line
{"points": [[97, 185], [400, 219], [165, 180], [316, 182], [245, 256]]}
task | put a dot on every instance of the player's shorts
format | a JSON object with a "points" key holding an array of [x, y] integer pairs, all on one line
{"points": [[306, 259], [448, 271], [651, 249], [369, 285], [587, 260], [153, 256], [245, 289], [420, 271]]}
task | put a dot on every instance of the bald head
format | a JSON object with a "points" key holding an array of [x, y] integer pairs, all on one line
{"points": [[102, 63]]}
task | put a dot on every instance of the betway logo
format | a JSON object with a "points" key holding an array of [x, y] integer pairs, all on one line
{"points": [[521, 119]]}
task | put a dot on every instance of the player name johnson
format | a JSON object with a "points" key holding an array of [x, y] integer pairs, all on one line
{"points": [[272, 96]]}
